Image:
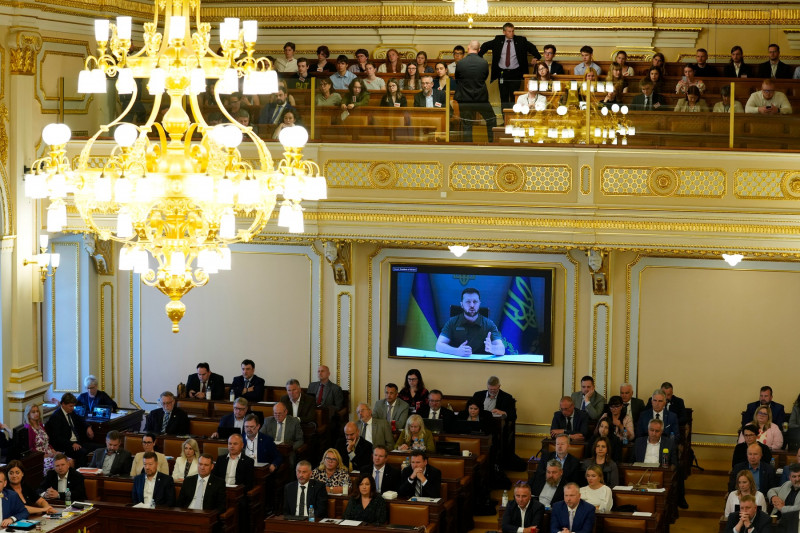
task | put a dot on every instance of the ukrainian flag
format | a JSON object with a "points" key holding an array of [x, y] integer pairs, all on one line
{"points": [[421, 330], [518, 322]]}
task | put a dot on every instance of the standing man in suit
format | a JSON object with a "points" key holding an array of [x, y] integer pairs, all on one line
{"points": [[299, 405], [284, 429], [573, 515], [356, 452], [391, 408], [420, 479], [764, 398], [376, 431], [657, 411], [750, 518], [588, 399], [676, 405], [428, 97], [149, 445], [248, 385], [509, 61], [111, 459], [775, 68], [633, 405], [68, 433], [386, 478], [523, 512], [549, 488], [234, 419], [569, 421], [10, 504], [502, 405], [325, 392], [433, 410], [152, 487], [205, 385], [167, 419], [570, 465], [203, 491], [60, 478], [648, 101], [471, 93], [298, 495]]}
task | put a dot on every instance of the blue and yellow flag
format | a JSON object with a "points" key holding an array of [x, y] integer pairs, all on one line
{"points": [[421, 330], [518, 323]]}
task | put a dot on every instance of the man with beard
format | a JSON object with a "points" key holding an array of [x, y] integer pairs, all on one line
{"points": [[470, 332], [549, 488]]}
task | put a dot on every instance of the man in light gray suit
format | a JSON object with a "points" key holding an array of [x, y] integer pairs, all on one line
{"points": [[282, 428], [325, 392], [391, 407], [589, 400], [374, 430]]}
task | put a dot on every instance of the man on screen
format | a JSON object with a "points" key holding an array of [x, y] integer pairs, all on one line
{"points": [[470, 332]]}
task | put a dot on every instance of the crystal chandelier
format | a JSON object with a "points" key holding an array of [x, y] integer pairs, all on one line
{"points": [[174, 189], [470, 8]]}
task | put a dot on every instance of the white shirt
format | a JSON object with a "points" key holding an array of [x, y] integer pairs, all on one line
{"points": [[251, 448], [286, 65], [238, 423], [653, 453], [433, 415], [546, 496], [73, 437], [522, 518], [149, 487], [601, 497], [295, 407], [62, 484], [379, 477], [304, 511], [230, 472], [368, 431]]}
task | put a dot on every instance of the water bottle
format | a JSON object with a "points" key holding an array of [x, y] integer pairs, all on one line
{"points": [[232, 398], [505, 498], [772, 463], [311, 517], [67, 497], [624, 435], [665, 458]]}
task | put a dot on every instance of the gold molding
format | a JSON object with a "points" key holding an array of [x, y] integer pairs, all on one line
{"points": [[113, 330], [576, 291], [586, 179], [594, 341], [628, 296], [130, 337], [7, 206], [24, 56], [2, 72], [77, 259], [339, 298], [484, 176], [3, 133], [370, 258]]}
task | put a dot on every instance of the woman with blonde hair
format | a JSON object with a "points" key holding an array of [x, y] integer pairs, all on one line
{"points": [[332, 472], [596, 492], [37, 436], [769, 434], [186, 464], [745, 484], [415, 437]]}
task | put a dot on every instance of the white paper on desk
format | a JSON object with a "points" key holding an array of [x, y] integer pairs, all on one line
{"points": [[350, 523], [646, 465], [662, 489], [623, 487], [227, 485], [427, 499], [641, 513], [344, 115]]}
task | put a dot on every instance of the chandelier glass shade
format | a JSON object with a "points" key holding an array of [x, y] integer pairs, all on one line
{"points": [[177, 190], [470, 8]]}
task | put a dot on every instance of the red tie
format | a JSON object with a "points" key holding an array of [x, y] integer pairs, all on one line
{"points": [[508, 53], [319, 394]]}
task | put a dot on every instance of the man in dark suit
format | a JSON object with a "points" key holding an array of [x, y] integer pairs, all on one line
{"points": [[111, 459], [235, 468], [233, 420], [61, 478], [765, 398], [650, 448], [10, 504], [298, 495], [167, 419], [260, 447], [548, 487], [356, 451], [656, 410], [471, 93], [523, 512], [68, 432], [299, 405], [386, 478], [502, 405], [152, 487], [702, 69], [548, 53], [248, 385], [376, 431], [509, 61], [204, 491], [632, 405], [283, 429], [205, 385], [581, 513], [648, 101], [736, 67], [763, 472], [325, 392], [572, 470], [273, 111], [420, 479], [434, 410], [750, 518], [750, 433], [569, 421], [428, 97], [775, 68]]}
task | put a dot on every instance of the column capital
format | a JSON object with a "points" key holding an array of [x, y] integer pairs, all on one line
{"points": [[25, 43]]}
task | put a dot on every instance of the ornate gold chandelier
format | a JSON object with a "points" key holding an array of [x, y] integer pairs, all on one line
{"points": [[176, 197], [470, 8]]}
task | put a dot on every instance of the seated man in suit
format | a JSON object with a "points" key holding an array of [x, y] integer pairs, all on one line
{"points": [[589, 400], [569, 421], [94, 398], [386, 477], [657, 411], [356, 452], [548, 488], [111, 459], [649, 100], [325, 392], [765, 398], [68, 433], [235, 468], [570, 464], [299, 495], [784, 498], [376, 431], [750, 518], [428, 97], [248, 385], [650, 448], [391, 408], [633, 405], [496, 401], [260, 447], [750, 434], [284, 429], [299, 405], [204, 491], [167, 419], [434, 410], [149, 445], [152, 487], [234, 419], [674, 404], [60, 478], [523, 512], [763, 473], [573, 515], [11, 506], [205, 385], [420, 479]]}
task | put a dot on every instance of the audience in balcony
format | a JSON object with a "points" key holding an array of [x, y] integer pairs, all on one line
{"points": [[287, 63], [693, 103], [371, 81], [554, 67], [768, 101], [411, 82], [649, 100], [541, 72], [587, 62], [725, 105], [342, 77], [659, 62], [702, 69], [622, 60], [393, 96], [325, 97], [288, 119], [458, 55], [532, 98], [323, 53], [392, 65], [441, 79], [422, 63], [736, 67], [655, 75], [689, 80], [774, 67], [302, 78], [360, 66], [357, 95]]}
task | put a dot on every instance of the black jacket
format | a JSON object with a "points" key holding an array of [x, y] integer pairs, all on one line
{"points": [[390, 479], [60, 433], [431, 489], [363, 457], [74, 484], [255, 395], [533, 516], [216, 384], [522, 47], [783, 71], [244, 470], [178, 423], [505, 402], [120, 466], [316, 495], [214, 498], [163, 492], [471, 74]]}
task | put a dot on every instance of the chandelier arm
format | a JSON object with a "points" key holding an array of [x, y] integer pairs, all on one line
{"points": [[198, 115], [131, 103], [148, 126], [222, 107]]}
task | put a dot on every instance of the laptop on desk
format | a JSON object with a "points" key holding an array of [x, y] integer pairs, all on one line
{"points": [[468, 427], [99, 414], [435, 425], [226, 432]]}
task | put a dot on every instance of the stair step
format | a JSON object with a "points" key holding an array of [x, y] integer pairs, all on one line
{"points": [[688, 513]]}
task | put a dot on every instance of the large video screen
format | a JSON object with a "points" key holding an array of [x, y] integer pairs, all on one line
{"points": [[471, 313]]}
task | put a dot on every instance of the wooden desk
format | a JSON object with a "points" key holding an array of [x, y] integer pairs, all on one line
{"points": [[651, 523], [122, 420], [124, 518], [88, 519], [436, 510], [276, 524]]}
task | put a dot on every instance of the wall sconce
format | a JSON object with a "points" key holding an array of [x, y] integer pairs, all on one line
{"points": [[44, 260]]}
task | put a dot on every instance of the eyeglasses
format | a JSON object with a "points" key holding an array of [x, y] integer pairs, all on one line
{"points": [[330, 458]]}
